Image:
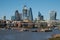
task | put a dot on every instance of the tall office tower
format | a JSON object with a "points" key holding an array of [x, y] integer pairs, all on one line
{"points": [[40, 17], [20, 15], [30, 14], [53, 15], [17, 16], [13, 18], [25, 12], [4, 17]]}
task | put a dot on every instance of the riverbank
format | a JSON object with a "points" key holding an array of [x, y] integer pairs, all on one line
{"points": [[55, 37], [28, 29]]}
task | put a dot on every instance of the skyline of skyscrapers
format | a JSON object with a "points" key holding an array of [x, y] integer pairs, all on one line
{"points": [[8, 7], [17, 16], [27, 14]]}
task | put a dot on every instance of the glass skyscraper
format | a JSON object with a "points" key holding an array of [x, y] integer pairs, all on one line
{"points": [[53, 15], [17, 16], [30, 14], [40, 17], [25, 12], [4, 17], [12, 18]]}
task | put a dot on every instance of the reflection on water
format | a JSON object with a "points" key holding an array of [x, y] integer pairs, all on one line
{"points": [[15, 35]]}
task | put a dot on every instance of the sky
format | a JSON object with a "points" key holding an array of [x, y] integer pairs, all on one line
{"points": [[8, 7]]}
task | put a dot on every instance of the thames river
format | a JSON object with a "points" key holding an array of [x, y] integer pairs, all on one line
{"points": [[16, 35]]}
